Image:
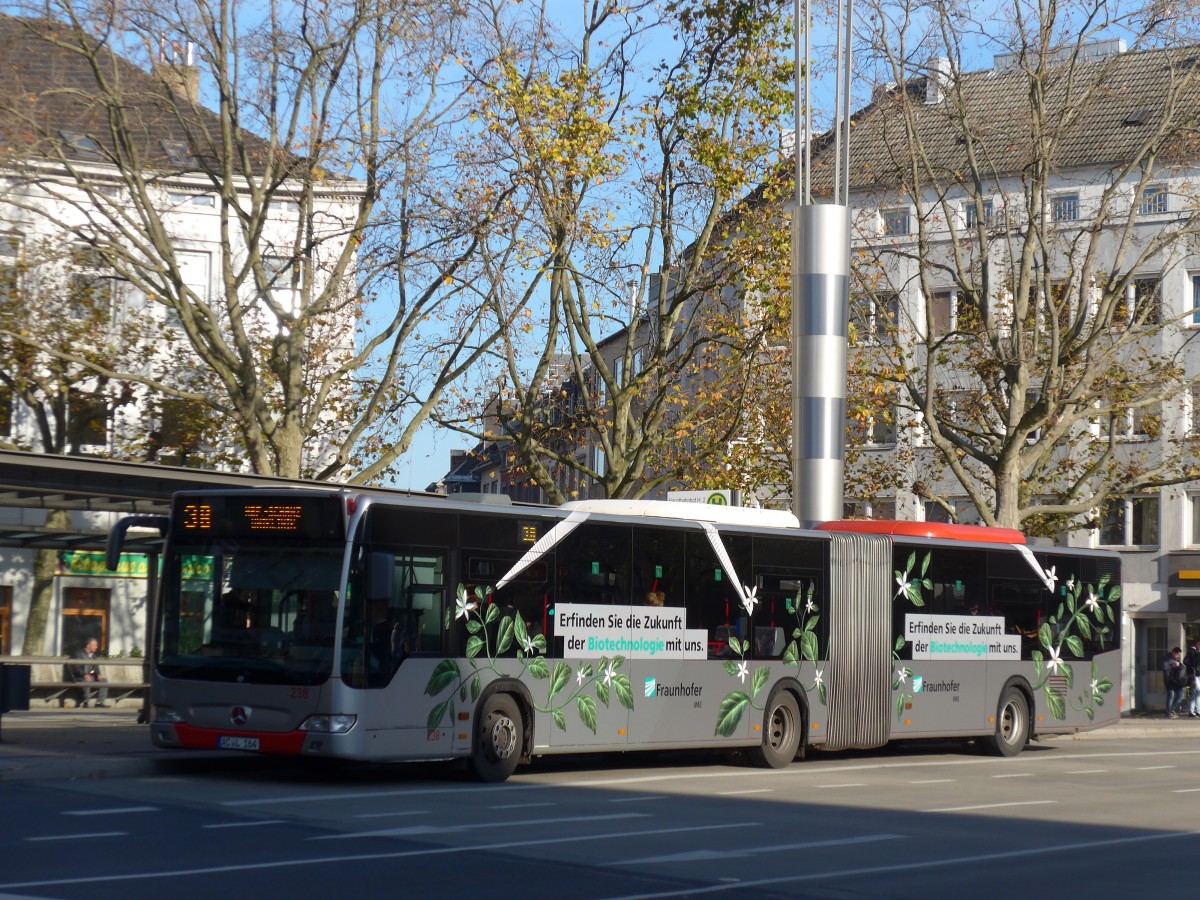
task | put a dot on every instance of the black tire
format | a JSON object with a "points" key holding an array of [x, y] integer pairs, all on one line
{"points": [[782, 732], [499, 739], [1012, 725]]}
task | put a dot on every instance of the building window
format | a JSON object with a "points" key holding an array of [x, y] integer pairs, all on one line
{"points": [[876, 429], [941, 313], [10, 266], [973, 213], [286, 280], [179, 155], [84, 616], [207, 201], [962, 512], [895, 221], [1064, 207], [288, 207], [1141, 305], [1134, 423], [1194, 509], [93, 285], [1129, 522], [87, 421], [5, 619], [1154, 200], [1196, 299], [82, 146], [873, 316], [6, 411]]}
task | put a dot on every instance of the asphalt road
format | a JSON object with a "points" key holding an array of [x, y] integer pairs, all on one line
{"points": [[1096, 818]]}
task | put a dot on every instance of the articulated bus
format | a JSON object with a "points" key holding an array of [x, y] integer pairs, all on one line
{"points": [[368, 626]]}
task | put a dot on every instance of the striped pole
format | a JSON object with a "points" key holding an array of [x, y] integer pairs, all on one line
{"points": [[820, 310]]}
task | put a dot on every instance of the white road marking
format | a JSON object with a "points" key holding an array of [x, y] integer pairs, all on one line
{"points": [[1087, 771], [520, 805], [846, 784], [116, 811], [78, 837], [701, 855], [640, 799], [934, 781], [992, 806], [415, 830], [743, 886], [746, 791], [805, 770], [1152, 768], [1015, 775], [392, 815], [245, 824], [362, 857]]}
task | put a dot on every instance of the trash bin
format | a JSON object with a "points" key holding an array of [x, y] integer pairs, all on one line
{"points": [[14, 687]]}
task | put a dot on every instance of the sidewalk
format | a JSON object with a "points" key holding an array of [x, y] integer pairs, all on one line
{"points": [[49, 743]]}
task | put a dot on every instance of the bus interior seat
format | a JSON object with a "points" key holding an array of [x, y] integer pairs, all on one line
{"points": [[768, 642]]}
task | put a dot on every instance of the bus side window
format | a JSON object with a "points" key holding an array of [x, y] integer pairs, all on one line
{"points": [[713, 601]]}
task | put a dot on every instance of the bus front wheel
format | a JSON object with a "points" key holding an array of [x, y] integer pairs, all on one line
{"points": [[498, 740], [781, 737], [1012, 724]]}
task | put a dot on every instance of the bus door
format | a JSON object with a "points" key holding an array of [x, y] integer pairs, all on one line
{"points": [[593, 640], [860, 641]]}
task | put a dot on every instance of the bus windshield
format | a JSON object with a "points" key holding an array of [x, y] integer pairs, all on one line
{"points": [[250, 610]]}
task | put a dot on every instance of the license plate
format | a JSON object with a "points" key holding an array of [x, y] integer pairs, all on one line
{"points": [[225, 742]]}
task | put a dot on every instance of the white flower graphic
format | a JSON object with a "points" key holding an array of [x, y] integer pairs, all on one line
{"points": [[609, 671], [751, 599], [809, 606], [904, 583], [1071, 583], [1092, 601], [818, 678], [1055, 662], [743, 670], [901, 674], [579, 676], [466, 604], [1095, 686], [1051, 579], [527, 643]]}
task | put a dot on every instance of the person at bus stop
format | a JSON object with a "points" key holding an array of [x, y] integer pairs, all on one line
{"points": [[1191, 662], [89, 673], [1175, 678]]}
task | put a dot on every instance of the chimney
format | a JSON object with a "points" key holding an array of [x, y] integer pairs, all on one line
{"points": [[937, 81], [176, 69]]}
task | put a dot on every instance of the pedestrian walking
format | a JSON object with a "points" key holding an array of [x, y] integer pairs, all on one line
{"points": [[1191, 662], [1176, 680]]}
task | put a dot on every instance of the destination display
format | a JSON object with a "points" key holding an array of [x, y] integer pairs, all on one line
{"points": [[256, 515]]}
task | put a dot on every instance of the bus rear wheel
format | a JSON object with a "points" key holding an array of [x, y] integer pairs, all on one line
{"points": [[498, 739], [781, 733], [1012, 724]]}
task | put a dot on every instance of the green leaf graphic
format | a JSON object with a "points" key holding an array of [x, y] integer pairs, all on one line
{"points": [[444, 673], [587, 711], [559, 678], [474, 645], [504, 637], [559, 720], [760, 677], [438, 712], [623, 690], [730, 713], [602, 692]]}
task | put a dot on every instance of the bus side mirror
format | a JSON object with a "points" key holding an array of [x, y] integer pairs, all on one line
{"points": [[381, 569], [116, 537]]}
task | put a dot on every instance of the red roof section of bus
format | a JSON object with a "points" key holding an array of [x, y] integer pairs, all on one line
{"points": [[943, 531]]}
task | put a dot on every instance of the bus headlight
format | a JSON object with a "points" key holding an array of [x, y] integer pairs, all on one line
{"points": [[166, 714], [329, 724]]}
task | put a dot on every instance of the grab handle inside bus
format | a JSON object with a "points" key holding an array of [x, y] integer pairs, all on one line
{"points": [[116, 537], [381, 569]]}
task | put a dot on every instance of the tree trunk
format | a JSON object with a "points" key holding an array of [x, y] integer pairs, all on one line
{"points": [[45, 567]]}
